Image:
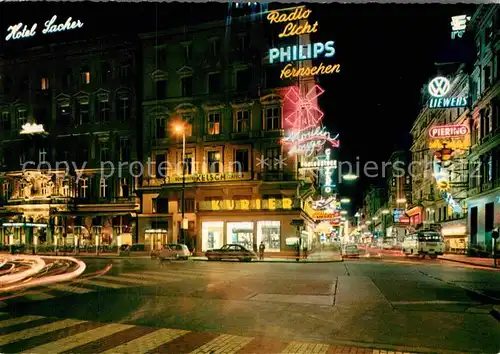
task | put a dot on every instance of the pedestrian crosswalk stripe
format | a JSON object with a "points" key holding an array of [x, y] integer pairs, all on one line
{"points": [[38, 296], [300, 347], [70, 289], [79, 339], [18, 320], [33, 332], [148, 342], [225, 343], [103, 284], [126, 279], [150, 276], [172, 275]]}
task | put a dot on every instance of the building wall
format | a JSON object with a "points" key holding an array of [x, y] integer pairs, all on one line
{"points": [[84, 94]]}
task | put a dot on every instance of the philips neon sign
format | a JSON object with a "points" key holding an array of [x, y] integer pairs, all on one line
{"points": [[438, 89], [21, 31], [297, 25], [459, 25]]}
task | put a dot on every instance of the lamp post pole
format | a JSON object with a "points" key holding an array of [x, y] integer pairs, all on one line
{"points": [[183, 183]]}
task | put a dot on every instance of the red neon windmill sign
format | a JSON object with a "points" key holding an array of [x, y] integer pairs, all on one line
{"points": [[303, 112]]}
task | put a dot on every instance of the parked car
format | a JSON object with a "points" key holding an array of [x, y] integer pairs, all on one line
{"points": [[350, 251], [181, 250], [165, 252], [231, 251]]}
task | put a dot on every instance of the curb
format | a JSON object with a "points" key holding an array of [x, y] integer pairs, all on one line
{"points": [[281, 261], [469, 263], [495, 312]]}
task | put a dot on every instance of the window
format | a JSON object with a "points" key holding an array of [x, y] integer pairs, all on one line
{"points": [[82, 112], [243, 80], [106, 73], [124, 109], [5, 123], [159, 128], [269, 233], [188, 127], [161, 89], [124, 149], [104, 111], [272, 158], [6, 191], [161, 57], [189, 163], [215, 50], [68, 78], [242, 121], [214, 83], [42, 155], [21, 118], [242, 43], [103, 188], [214, 123], [187, 86], [160, 165], [85, 76], [103, 151], [241, 161], [272, 118], [44, 83], [124, 69], [82, 187], [188, 205], [187, 53], [124, 188], [240, 233], [212, 235], [214, 161], [488, 77]]}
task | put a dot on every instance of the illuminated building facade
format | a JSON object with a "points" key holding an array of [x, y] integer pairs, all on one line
{"points": [[240, 186], [439, 188], [483, 201], [83, 93]]}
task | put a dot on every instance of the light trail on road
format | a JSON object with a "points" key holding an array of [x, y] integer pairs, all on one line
{"points": [[25, 271]]}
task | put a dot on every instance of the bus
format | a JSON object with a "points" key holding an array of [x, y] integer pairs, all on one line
{"points": [[424, 242]]}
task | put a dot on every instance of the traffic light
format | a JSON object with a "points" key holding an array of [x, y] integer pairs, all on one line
{"points": [[443, 156]]}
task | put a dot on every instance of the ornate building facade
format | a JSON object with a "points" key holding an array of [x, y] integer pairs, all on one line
{"points": [[239, 186], [70, 181]]}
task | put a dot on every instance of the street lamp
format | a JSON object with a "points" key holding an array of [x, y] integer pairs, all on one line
{"points": [[345, 200], [343, 212], [349, 177], [181, 129], [401, 200]]}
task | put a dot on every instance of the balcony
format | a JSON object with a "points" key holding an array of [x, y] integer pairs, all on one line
{"points": [[240, 135], [213, 137], [152, 182], [278, 133]]}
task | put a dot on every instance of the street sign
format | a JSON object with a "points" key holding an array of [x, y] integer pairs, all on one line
{"points": [[494, 234]]}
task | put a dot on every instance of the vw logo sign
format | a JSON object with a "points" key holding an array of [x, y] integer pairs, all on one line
{"points": [[439, 86]]}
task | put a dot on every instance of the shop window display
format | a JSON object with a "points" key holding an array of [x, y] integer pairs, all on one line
{"points": [[240, 233], [212, 235], [269, 233]]}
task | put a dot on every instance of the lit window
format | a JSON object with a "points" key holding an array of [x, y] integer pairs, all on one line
{"points": [[85, 76], [214, 162], [83, 185], [214, 123], [103, 188], [44, 84]]}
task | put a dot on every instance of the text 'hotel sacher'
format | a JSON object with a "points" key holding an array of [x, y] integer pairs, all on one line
{"points": [[150, 100]]}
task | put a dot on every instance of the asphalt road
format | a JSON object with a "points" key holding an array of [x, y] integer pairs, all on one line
{"points": [[403, 304]]}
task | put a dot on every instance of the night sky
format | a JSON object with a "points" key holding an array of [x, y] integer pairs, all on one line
{"points": [[386, 52]]}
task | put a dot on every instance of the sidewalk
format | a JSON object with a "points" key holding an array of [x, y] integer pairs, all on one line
{"points": [[319, 257], [107, 255], [477, 261]]}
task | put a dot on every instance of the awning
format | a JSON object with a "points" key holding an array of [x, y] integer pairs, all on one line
{"points": [[92, 213]]}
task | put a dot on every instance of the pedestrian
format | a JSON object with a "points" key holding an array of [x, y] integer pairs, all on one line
{"points": [[305, 252], [262, 248]]}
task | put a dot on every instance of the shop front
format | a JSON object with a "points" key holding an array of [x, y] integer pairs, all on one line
{"points": [[155, 231], [249, 223], [455, 236]]}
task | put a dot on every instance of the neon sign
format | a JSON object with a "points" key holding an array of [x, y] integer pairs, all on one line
{"points": [[458, 25], [30, 128], [21, 31], [438, 89], [327, 187], [449, 131], [300, 52], [302, 119], [323, 203], [442, 176]]}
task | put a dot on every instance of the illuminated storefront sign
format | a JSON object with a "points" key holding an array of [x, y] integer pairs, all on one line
{"points": [[324, 215], [246, 204], [319, 163], [209, 177], [459, 25], [324, 203], [328, 172], [442, 177], [438, 89], [453, 136], [20, 30], [297, 25], [302, 118]]}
